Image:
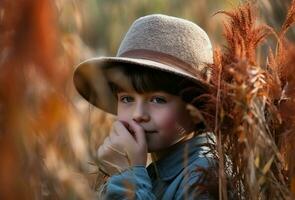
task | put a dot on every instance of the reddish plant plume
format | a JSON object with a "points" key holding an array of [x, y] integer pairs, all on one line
{"points": [[255, 115]]}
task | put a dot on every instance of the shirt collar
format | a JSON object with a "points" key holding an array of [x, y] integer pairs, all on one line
{"points": [[184, 154]]}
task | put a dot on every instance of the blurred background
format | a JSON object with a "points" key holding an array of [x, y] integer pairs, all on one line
{"points": [[48, 134]]}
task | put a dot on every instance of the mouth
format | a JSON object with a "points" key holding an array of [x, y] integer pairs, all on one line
{"points": [[150, 132]]}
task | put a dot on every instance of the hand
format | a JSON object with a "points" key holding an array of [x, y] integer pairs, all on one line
{"points": [[124, 147]]}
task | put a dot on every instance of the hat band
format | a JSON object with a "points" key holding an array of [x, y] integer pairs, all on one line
{"points": [[162, 58]]}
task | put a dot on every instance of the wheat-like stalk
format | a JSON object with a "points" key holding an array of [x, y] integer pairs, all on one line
{"points": [[250, 117]]}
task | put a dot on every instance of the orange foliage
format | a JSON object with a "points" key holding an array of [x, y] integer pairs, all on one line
{"points": [[255, 108], [256, 115], [29, 70], [242, 34]]}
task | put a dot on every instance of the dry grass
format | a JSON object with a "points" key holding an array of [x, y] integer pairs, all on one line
{"points": [[255, 115], [242, 35], [48, 137], [43, 148]]}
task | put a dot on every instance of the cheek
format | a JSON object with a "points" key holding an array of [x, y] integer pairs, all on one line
{"points": [[166, 120], [174, 120], [122, 114]]}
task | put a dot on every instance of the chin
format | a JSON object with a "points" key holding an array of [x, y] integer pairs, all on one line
{"points": [[152, 149]]}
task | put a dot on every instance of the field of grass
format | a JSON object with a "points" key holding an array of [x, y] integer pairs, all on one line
{"points": [[49, 135]]}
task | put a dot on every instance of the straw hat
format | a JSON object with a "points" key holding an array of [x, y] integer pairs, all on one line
{"points": [[155, 41]]}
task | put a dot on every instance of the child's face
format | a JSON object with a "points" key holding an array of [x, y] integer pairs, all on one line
{"points": [[163, 116]]}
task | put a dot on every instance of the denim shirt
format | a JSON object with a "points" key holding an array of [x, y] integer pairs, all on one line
{"points": [[172, 177]]}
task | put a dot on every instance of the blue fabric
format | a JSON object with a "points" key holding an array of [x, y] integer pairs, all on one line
{"points": [[173, 177]]}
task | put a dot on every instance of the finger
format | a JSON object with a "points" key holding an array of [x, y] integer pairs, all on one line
{"points": [[106, 141], [114, 135], [125, 124], [100, 152], [116, 142], [138, 133], [113, 130], [116, 150], [103, 152], [128, 127], [122, 130], [113, 143]]}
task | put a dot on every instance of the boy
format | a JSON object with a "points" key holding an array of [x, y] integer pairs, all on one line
{"points": [[161, 66]]}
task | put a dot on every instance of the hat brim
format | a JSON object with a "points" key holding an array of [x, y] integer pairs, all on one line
{"points": [[92, 83]]}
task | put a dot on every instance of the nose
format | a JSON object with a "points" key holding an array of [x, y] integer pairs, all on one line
{"points": [[141, 113]]}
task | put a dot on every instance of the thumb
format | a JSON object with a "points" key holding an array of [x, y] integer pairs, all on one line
{"points": [[138, 133]]}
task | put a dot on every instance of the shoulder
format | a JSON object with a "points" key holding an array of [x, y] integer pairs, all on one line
{"points": [[198, 169], [199, 179]]}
